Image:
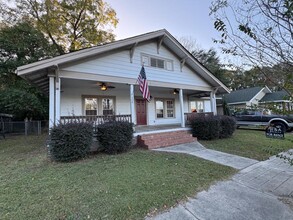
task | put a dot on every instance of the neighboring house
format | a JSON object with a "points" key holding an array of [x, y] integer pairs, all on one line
{"points": [[102, 81], [255, 97], [278, 99]]}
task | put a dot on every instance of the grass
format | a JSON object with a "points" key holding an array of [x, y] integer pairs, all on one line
{"points": [[252, 144], [125, 186]]}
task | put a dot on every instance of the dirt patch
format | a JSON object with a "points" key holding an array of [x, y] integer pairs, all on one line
{"points": [[288, 200]]}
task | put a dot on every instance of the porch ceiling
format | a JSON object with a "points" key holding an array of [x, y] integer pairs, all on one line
{"points": [[67, 84]]}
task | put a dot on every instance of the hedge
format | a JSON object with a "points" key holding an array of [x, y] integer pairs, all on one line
{"points": [[213, 127], [70, 141], [115, 137]]}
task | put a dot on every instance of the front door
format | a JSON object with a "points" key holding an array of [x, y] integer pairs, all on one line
{"points": [[140, 112]]}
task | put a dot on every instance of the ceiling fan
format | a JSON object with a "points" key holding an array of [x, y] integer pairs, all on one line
{"points": [[105, 86]]}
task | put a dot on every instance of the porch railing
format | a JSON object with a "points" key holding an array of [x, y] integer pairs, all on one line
{"points": [[96, 119], [189, 116]]}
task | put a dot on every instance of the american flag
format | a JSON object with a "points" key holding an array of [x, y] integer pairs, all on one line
{"points": [[143, 85]]}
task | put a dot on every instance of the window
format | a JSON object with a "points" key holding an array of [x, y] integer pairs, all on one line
{"points": [[91, 106], [96, 105], [196, 106], [159, 109], [107, 105], [165, 108], [157, 62]]}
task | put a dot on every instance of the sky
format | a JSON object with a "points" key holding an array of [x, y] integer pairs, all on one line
{"points": [[182, 18]]}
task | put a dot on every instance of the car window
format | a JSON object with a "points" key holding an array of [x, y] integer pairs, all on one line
{"points": [[250, 112]]}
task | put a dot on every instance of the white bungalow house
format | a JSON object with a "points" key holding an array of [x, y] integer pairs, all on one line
{"points": [[101, 81]]}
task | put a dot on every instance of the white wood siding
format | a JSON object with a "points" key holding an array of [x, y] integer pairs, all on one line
{"points": [[118, 64]]}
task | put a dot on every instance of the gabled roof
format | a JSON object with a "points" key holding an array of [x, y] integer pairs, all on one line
{"points": [[37, 73], [275, 96], [243, 95]]}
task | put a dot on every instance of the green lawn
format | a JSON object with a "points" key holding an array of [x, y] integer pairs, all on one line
{"points": [[252, 144], [125, 186]]}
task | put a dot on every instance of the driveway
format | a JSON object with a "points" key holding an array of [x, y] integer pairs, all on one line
{"points": [[255, 192]]}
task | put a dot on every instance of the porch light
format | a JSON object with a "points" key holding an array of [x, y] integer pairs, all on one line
{"points": [[103, 87], [175, 91]]}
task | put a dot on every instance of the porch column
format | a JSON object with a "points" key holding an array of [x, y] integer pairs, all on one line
{"points": [[213, 102], [58, 100], [51, 101], [181, 108], [132, 110]]}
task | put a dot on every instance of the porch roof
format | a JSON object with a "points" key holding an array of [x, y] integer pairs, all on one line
{"points": [[37, 72]]}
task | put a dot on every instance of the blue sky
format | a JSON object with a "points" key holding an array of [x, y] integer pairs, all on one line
{"points": [[189, 18]]}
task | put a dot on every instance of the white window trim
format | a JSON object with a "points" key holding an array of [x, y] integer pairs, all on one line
{"points": [[148, 56], [197, 100], [165, 115], [100, 103]]}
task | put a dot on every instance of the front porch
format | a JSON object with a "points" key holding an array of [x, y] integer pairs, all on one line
{"points": [[84, 100], [100, 119]]}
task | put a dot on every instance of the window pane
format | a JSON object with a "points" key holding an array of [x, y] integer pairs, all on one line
{"points": [[159, 109], [160, 63], [193, 106], [91, 106], [108, 106], [170, 108], [170, 104], [200, 105], [153, 62], [170, 113]]}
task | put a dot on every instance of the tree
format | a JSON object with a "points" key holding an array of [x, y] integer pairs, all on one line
{"points": [[69, 24], [19, 45], [261, 33]]}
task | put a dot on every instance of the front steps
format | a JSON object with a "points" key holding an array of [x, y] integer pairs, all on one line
{"points": [[164, 139]]}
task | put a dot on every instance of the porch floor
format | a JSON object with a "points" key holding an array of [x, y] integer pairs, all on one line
{"points": [[148, 129]]}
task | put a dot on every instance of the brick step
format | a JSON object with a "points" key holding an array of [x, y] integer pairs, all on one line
{"points": [[167, 134], [164, 139]]}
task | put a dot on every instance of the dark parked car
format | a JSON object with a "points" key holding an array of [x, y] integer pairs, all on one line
{"points": [[264, 117]]}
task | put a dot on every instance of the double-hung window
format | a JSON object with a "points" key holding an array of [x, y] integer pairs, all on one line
{"points": [[196, 106], [165, 108], [91, 106], [108, 106], [96, 105]]}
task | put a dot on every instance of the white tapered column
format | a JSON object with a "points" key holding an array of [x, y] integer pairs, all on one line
{"points": [[181, 108], [58, 100], [51, 101], [132, 109], [213, 102]]}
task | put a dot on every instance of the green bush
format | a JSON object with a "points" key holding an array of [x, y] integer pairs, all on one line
{"points": [[115, 137], [70, 141], [206, 127], [213, 127], [228, 126]]}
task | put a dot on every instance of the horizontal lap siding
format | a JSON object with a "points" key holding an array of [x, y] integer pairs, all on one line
{"points": [[72, 100], [118, 64]]}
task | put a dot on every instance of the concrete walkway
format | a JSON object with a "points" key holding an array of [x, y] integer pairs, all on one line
{"points": [[253, 193], [196, 149]]}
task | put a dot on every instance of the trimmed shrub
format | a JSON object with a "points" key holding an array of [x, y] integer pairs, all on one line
{"points": [[70, 141], [206, 128], [228, 126], [115, 137], [213, 127]]}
